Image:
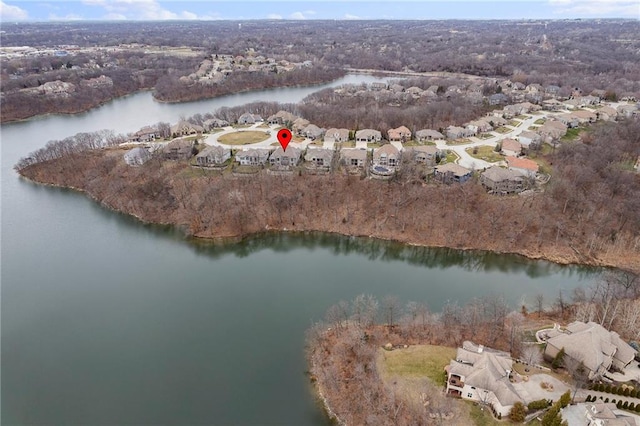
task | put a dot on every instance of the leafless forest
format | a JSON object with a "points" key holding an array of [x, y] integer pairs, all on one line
{"points": [[342, 348], [586, 54], [588, 214]]}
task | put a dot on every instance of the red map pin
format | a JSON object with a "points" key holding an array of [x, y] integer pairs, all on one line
{"points": [[284, 137]]}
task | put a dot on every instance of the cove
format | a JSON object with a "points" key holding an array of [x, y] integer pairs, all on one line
{"points": [[109, 321]]}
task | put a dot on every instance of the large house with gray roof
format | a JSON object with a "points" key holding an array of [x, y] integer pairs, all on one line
{"points": [[590, 343], [483, 375]]}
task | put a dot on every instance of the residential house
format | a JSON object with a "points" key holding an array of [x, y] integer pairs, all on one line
{"points": [[552, 90], [598, 414], [285, 159], [146, 134], [585, 117], [281, 118], [552, 129], [498, 99], [483, 375], [248, 118], [214, 123], [428, 135], [598, 349], [319, 158], [378, 85], [400, 134], [455, 132], [599, 93], [336, 135], [452, 173], [607, 113], [424, 154], [572, 104], [511, 147], [481, 125], [627, 111], [529, 139], [354, 158], [552, 105], [178, 149], [213, 156], [184, 128], [569, 119], [368, 135], [252, 157], [299, 124], [502, 181], [313, 132], [137, 156], [386, 158], [523, 165]]}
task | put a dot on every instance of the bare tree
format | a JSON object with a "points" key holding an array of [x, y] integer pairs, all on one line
{"points": [[390, 309], [539, 304], [531, 354]]}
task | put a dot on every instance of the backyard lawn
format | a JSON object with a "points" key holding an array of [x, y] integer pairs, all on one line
{"points": [[243, 137], [485, 153], [417, 361]]}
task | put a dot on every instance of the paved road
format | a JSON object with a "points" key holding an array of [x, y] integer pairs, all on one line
{"points": [[212, 139]]}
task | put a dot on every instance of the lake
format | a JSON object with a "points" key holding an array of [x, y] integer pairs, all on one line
{"points": [[109, 321]]}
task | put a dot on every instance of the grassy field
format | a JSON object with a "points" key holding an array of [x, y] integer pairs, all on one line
{"points": [[572, 134], [503, 130], [419, 370], [459, 141], [486, 153], [244, 137], [540, 121], [418, 361], [451, 157]]}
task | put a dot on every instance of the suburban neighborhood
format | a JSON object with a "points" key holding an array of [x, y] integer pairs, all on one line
{"points": [[500, 148]]}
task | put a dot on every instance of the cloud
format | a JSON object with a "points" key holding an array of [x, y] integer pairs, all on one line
{"points": [[148, 10], [597, 8], [297, 15], [68, 17], [274, 16], [351, 17], [114, 17], [12, 13]]}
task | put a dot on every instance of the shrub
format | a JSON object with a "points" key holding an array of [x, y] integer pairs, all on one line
{"points": [[613, 401], [633, 393], [619, 404], [625, 405], [638, 408], [565, 399], [588, 398], [632, 406], [518, 412], [627, 392], [538, 405], [607, 389], [606, 400], [557, 360]]}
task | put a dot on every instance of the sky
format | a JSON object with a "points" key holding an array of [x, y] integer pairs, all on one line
{"points": [[53, 10]]}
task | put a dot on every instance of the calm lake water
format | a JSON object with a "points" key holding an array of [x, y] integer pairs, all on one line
{"points": [[108, 321]]}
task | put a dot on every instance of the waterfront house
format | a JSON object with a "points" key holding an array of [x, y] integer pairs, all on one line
{"points": [[523, 165], [178, 149], [213, 156], [353, 157], [386, 158], [313, 132], [483, 375], [214, 123], [248, 118], [184, 128], [452, 173], [137, 156], [252, 157], [502, 181], [597, 348], [319, 158], [282, 159]]}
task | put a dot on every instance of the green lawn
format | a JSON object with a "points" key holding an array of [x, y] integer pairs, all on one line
{"points": [[348, 144], [503, 130], [482, 417], [522, 117], [572, 134], [459, 141], [243, 137], [540, 121], [451, 157], [418, 361], [485, 153], [486, 136]]}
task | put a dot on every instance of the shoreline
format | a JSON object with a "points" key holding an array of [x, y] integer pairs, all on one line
{"points": [[227, 238]]}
